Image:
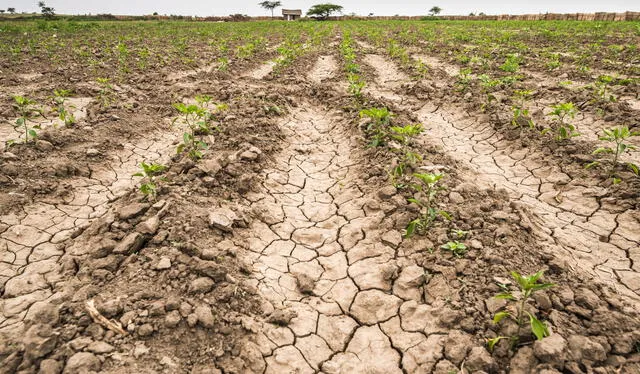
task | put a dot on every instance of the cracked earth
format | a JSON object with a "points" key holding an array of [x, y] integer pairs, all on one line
{"points": [[340, 290], [592, 232], [341, 298], [33, 239]]}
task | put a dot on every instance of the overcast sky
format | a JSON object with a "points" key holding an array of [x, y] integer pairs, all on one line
{"points": [[250, 7]]}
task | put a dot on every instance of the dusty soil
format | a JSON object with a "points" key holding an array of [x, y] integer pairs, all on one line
{"points": [[282, 250]]}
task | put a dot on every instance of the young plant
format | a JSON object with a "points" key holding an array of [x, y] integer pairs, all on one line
{"points": [[428, 187], [149, 174], [553, 62], [223, 64], [377, 127], [421, 69], [26, 112], [562, 128], [528, 285], [198, 118], [356, 84], [404, 135], [464, 80], [458, 249], [617, 136], [511, 64], [488, 87], [65, 115], [602, 91], [106, 93], [519, 109], [459, 234]]}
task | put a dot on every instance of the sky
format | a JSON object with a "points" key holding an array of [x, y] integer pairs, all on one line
{"points": [[361, 7]]}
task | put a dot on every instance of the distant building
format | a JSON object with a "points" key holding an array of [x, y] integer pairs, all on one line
{"points": [[291, 14]]}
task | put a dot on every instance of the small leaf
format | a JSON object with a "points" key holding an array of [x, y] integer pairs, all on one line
{"points": [[445, 215], [500, 316], [505, 296], [538, 328], [492, 342], [602, 150], [411, 228]]}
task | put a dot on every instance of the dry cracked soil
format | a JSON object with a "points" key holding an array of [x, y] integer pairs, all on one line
{"points": [[282, 251]]}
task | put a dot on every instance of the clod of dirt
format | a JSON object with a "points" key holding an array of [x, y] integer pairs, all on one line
{"points": [[479, 359], [550, 349], [306, 284], [131, 243], [222, 218], [281, 317], [82, 362], [205, 316], [164, 264], [201, 285]]}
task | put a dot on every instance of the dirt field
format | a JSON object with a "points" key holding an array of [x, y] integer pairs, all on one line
{"points": [[335, 197]]}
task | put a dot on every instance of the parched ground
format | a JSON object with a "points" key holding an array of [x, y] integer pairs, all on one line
{"points": [[282, 250]]}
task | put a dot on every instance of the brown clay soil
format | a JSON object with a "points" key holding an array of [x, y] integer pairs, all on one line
{"points": [[282, 250]]}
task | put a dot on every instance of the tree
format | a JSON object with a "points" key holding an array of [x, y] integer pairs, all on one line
{"points": [[1, 11], [270, 5], [47, 11], [11, 10], [324, 11], [435, 11]]}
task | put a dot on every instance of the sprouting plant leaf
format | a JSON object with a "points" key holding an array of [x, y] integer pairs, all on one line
{"points": [[506, 296], [492, 342], [411, 228], [618, 137], [538, 328], [500, 316], [528, 286]]}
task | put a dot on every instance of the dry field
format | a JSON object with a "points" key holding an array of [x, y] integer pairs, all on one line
{"points": [[335, 197]]}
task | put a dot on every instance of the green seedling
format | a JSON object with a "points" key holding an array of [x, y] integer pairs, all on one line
{"points": [[458, 249], [428, 188], [378, 126], [106, 95], [149, 174], [520, 112], [26, 112], [198, 118], [65, 115], [583, 69], [408, 158], [562, 128], [463, 79], [554, 62], [618, 137], [356, 85], [602, 89], [421, 69], [511, 64], [488, 87], [528, 285], [459, 234], [223, 64]]}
